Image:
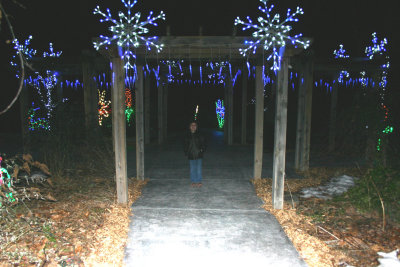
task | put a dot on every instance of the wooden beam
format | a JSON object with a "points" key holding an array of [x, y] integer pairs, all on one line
{"points": [[89, 95], [259, 124], [302, 153], [230, 113], [244, 106], [160, 101], [226, 120], [308, 113], [301, 110], [278, 174], [165, 112], [119, 129], [332, 121], [139, 125], [147, 114]]}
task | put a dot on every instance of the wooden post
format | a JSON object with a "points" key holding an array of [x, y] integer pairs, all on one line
{"points": [[23, 108], [278, 174], [226, 120], [165, 112], [119, 129], [147, 118], [259, 123], [332, 121], [308, 114], [244, 106], [301, 110], [302, 153], [139, 126], [160, 112], [89, 95], [229, 113]]}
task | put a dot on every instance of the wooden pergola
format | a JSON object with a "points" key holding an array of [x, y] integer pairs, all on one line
{"points": [[198, 48]]}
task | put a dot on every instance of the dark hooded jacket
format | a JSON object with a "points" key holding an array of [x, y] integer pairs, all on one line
{"points": [[194, 146]]}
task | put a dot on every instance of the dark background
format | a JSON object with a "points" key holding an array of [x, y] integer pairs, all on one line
{"points": [[70, 25]]}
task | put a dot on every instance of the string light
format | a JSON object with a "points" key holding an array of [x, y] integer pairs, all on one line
{"points": [[341, 52], [272, 33], [52, 53], [104, 107], [35, 123], [46, 84], [378, 50], [196, 113], [129, 111], [220, 111], [5, 179], [23, 49], [129, 31]]}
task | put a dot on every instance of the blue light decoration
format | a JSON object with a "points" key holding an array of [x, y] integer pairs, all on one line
{"points": [[220, 111], [44, 86], [128, 31], [51, 52], [272, 33], [34, 122], [27, 53], [157, 75], [378, 50], [341, 54]]}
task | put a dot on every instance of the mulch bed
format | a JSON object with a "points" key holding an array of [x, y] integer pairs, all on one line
{"points": [[83, 227], [327, 233]]}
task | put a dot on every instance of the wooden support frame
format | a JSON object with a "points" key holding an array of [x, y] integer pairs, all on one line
{"points": [[119, 129], [165, 112], [303, 134], [332, 121], [160, 101], [278, 174], [147, 111], [89, 94], [244, 106], [259, 124], [229, 113], [139, 125]]}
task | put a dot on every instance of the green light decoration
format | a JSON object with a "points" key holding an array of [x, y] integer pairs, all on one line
{"points": [[388, 130], [36, 123], [220, 111], [378, 146], [129, 111], [5, 179]]}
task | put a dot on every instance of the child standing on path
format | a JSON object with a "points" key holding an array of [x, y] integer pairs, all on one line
{"points": [[194, 148]]}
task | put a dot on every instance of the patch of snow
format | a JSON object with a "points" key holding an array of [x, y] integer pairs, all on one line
{"points": [[336, 186], [389, 259]]}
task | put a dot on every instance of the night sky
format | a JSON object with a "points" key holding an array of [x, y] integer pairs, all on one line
{"points": [[70, 25]]}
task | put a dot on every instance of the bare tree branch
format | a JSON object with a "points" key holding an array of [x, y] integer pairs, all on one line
{"points": [[21, 81]]}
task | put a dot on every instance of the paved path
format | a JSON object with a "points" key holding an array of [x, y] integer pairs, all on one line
{"points": [[219, 224]]}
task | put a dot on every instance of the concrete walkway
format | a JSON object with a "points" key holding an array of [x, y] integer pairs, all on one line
{"points": [[219, 224]]}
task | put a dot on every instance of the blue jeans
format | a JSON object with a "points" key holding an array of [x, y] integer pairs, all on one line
{"points": [[195, 170]]}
